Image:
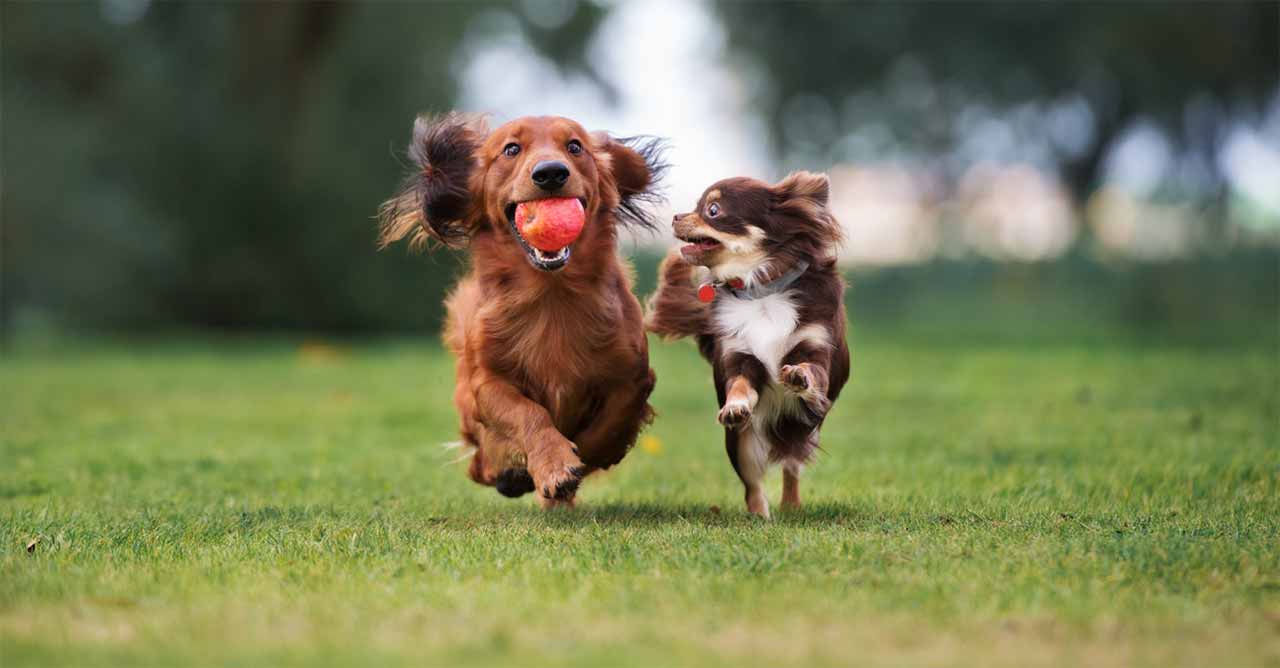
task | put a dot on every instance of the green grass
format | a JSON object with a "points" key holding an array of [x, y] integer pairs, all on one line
{"points": [[976, 503]]}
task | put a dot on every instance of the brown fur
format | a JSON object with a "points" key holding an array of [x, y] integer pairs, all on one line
{"points": [[758, 232], [553, 372], [674, 310]]}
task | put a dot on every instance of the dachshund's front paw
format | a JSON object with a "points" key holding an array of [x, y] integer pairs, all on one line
{"points": [[558, 474], [735, 414], [563, 485]]}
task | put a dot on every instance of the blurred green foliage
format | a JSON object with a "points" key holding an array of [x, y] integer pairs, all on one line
{"points": [[219, 165], [1192, 67]]}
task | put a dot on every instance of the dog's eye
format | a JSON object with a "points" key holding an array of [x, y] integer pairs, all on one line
{"points": [[575, 147], [511, 150], [713, 210]]}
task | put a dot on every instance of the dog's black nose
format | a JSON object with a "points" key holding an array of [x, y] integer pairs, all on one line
{"points": [[550, 174]]}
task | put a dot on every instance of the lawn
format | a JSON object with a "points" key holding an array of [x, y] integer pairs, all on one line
{"points": [[977, 502]]}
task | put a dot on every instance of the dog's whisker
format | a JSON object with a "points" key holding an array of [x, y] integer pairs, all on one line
{"points": [[467, 451], [460, 458]]}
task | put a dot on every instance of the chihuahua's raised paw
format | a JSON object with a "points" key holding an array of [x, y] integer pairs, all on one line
{"points": [[735, 414], [796, 377]]}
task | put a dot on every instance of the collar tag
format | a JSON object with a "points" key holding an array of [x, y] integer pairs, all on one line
{"points": [[706, 293]]}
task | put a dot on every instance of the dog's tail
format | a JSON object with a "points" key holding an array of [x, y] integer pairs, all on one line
{"points": [[460, 309], [674, 311]]}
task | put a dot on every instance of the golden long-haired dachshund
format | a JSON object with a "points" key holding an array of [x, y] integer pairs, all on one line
{"points": [[553, 374]]}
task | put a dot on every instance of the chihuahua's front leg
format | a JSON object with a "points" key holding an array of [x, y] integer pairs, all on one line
{"points": [[745, 377], [748, 448]]}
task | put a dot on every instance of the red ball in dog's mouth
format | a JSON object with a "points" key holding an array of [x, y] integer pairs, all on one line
{"points": [[550, 224]]}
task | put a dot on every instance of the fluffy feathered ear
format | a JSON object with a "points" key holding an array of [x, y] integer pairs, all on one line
{"points": [[803, 197], [637, 165], [804, 189], [436, 197]]}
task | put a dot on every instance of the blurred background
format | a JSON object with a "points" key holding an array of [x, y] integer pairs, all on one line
{"points": [[1002, 170]]}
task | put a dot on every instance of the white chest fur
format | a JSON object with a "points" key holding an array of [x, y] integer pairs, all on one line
{"points": [[762, 327]]}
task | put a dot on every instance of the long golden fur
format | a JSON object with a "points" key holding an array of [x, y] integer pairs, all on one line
{"points": [[553, 374]]}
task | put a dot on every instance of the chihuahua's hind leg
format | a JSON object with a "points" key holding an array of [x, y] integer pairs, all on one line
{"points": [[752, 462], [791, 484]]}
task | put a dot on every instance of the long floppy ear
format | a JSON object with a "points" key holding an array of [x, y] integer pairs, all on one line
{"points": [[803, 196], [638, 165], [435, 198]]}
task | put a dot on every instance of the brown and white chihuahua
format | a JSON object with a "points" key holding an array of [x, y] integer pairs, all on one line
{"points": [[756, 284]]}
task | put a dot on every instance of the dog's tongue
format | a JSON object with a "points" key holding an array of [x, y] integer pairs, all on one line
{"points": [[693, 251], [550, 224]]}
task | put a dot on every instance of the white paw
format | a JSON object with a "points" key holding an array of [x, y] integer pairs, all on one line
{"points": [[735, 414]]}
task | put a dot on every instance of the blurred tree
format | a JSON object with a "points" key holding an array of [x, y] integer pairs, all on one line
{"points": [[1188, 66], [219, 165]]}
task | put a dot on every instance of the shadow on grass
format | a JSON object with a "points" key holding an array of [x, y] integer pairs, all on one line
{"points": [[657, 515], [653, 514], [959, 515], [459, 517]]}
